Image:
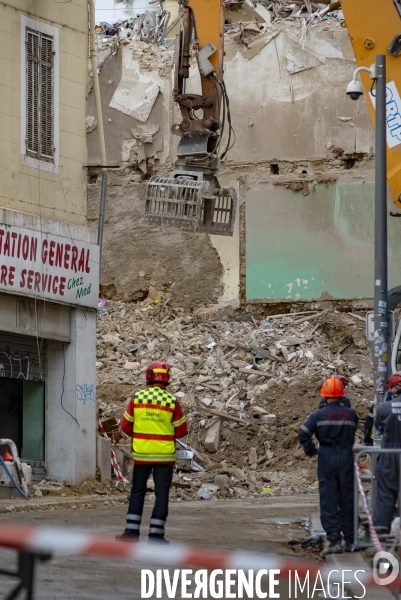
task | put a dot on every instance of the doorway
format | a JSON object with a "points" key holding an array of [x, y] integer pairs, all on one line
{"points": [[22, 416], [11, 411], [33, 420]]}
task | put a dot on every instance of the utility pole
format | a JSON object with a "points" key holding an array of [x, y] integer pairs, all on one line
{"points": [[103, 161], [381, 336]]}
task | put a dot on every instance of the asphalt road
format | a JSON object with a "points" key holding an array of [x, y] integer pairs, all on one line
{"points": [[260, 525]]}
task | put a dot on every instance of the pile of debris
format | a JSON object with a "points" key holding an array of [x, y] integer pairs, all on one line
{"points": [[246, 382], [292, 9], [152, 26], [283, 11], [91, 486]]}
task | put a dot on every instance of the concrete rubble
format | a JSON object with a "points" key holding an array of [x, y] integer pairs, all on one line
{"points": [[154, 25], [151, 26], [292, 9], [246, 382]]}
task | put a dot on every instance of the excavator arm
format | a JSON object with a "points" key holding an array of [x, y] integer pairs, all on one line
{"points": [[191, 197], [375, 28], [207, 29]]}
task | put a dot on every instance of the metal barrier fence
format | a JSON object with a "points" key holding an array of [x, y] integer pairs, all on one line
{"points": [[360, 451]]}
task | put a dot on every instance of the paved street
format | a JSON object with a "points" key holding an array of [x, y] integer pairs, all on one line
{"points": [[259, 525]]}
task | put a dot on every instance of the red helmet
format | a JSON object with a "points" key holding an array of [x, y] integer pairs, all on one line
{"points": [[158, 372], [395, 380], [332, 388], [342, 378]]}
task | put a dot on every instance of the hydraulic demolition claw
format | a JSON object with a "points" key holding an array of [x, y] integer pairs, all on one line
{"points": [[191, 197]]}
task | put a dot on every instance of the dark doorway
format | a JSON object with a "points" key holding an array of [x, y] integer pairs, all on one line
{"points": [[11, 411]]}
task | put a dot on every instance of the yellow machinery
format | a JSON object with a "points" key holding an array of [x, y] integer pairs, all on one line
{"points": [[375, 28], [191, 197]]}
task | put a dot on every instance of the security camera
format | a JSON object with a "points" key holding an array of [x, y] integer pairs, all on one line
{"points": [[354, 89]]}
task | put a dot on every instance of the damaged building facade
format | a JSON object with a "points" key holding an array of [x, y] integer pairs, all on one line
{"points": [[48, 259], [302, 164]]}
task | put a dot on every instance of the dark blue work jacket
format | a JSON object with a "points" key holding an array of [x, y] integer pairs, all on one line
{"points": [[334, 425], [344, 401]]}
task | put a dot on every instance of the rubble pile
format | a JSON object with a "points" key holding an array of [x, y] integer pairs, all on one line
{"points": [[91, 486], [282, 11], [246, 382], [292, 9], [151, 26]]}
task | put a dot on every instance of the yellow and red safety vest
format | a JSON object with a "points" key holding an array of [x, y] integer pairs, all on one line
{"points": [[153, 438]]}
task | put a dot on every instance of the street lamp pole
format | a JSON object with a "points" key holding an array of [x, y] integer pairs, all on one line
{"points": [[381, 336]]}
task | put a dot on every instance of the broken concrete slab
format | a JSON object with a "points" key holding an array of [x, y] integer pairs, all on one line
{"points": [[212, 439], [135, 97]]}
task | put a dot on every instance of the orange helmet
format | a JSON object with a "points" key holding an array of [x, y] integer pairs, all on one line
{"points": [[332, 388], [158, 372]]}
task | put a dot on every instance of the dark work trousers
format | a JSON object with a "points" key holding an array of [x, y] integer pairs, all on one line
{"points": [[336, 489], [162, 476], [387, 477]]}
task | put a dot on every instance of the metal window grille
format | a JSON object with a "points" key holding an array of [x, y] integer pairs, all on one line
{"points": [[39, 94]]}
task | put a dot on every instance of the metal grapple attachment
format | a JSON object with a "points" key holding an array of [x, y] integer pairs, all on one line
{"points": [[186, 200]]}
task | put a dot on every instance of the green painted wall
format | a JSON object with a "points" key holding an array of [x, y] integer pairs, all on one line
{"points": [[33, 420], [300, 247]]}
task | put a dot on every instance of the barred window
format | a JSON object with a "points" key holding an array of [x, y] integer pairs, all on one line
{"points": [[39, 95]]}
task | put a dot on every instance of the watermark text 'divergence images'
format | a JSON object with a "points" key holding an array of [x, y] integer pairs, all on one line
{"points": [[238, 583]]}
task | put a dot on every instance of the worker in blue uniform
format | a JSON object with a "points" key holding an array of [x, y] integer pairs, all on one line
{"points": [[388, 421], [334, 426]]}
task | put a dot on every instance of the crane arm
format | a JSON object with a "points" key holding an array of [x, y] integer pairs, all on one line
{"points": [[206, 26], [375, 28]]}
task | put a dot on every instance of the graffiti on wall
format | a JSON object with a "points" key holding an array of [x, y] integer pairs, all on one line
{"points": [[15, 365], [86, 392], [20, 365]]}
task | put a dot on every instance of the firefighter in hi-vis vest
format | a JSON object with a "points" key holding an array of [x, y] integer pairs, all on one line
{"points": [[154, 419]]}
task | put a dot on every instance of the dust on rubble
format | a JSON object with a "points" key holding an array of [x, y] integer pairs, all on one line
{"points": [[243, 423]]}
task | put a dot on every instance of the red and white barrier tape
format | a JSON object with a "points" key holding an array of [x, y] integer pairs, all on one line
{"points": [[62, 542], [114, 463], [373, 535]]}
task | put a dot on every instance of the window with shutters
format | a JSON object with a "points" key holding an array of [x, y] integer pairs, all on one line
{"points": [[39, 95], [39, 143]]}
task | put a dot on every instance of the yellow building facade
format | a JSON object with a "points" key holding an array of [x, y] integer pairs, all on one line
{"points": [[49, 259], [60, 195]]}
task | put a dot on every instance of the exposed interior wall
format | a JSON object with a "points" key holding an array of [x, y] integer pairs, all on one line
{"points": [[181, 266], [227, 248], [313, 247], [184, 267], [59, 196]]}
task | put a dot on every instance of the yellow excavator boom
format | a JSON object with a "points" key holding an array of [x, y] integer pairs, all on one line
{"points": [[191, 198], [375, 28]]}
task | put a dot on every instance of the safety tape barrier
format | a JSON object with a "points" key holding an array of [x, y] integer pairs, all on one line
{"points": [[114, 463], [373, 535], [62, 542]]}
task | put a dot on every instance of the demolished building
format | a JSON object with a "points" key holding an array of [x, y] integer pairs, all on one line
{"points": [[302, 162]]}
